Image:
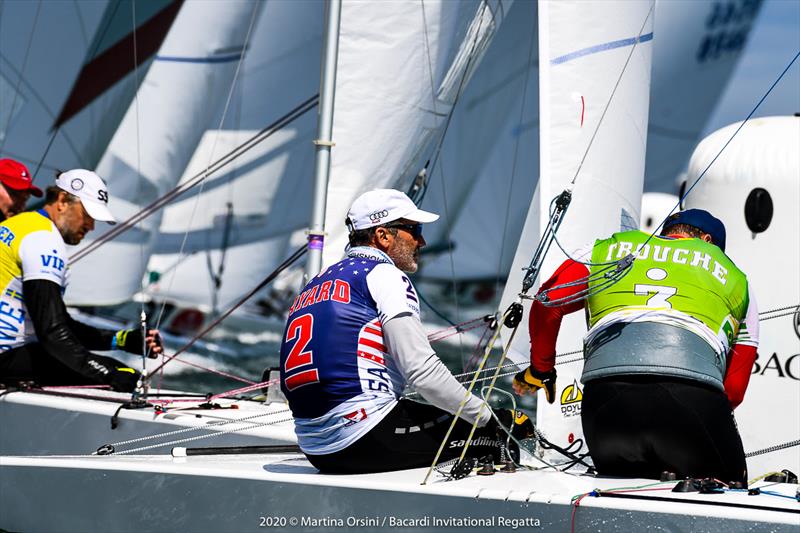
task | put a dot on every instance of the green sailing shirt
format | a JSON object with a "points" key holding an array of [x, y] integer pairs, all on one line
{"points": [[687, 283]]}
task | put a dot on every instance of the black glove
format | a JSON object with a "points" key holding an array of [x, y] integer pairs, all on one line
{"points": [[131, 341], [519, 423], [123, 379], [529, 380]]}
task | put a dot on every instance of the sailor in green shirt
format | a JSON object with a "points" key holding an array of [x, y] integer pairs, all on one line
{"points": [[668, 353]]}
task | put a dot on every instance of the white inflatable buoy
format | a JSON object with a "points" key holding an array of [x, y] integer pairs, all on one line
{"points": [[754, 188]]}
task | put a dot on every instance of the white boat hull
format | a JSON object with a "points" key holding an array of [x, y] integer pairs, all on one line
{"points": [[284, 492], [45, 424]]}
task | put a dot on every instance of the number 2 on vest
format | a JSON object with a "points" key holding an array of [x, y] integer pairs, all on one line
{"points": [[661, 296], [302, 329]]}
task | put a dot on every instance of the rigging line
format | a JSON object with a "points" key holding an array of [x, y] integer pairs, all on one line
{"points": [[435, 311], [514, 162], [461, 83], [142, 264], [208, 427], [786, 308], [198, 197], [771, 449], [57, 129], [467, 395], [253, 425], [719, 153], [283, 266], [613, 92], [444, 193], [236, 152], [22, 71]]}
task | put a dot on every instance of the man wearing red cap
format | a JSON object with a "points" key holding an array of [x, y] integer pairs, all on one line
{"points": [[39, 341], [17, 187], [668, 354]]}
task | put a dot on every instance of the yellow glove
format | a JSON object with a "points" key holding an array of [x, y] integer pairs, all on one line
{"points": [[529, 381]]}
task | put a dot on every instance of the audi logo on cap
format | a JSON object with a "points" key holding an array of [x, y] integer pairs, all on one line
{"points": [[378, 215]]}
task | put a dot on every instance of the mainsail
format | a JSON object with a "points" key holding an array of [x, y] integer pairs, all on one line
{"points": [[401, 68]]}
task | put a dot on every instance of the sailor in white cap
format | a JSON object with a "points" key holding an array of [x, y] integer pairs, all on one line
{"points": [[40, 341], [353, 342]]}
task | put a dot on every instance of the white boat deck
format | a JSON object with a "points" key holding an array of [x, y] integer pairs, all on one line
{"points": [[248, 492], [78, 421]]}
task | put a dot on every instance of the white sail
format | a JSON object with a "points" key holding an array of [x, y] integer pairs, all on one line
{"points": [[764, 156], [66, 72], [581, 65], [401, 66], [486, 152], [181, 94], [698, 45], [267, 188]]}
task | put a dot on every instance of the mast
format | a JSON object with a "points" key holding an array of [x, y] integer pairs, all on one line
{"points": [[323, 143]]}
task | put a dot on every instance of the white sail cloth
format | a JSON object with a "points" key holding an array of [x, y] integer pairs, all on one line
{"points": [[43, 48], [582, 64], [401, 66], [485, 175], [268, 188], [181, 94]]}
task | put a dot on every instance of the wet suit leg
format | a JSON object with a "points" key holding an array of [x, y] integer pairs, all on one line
{"points": [[31, 362], [639, 426], [409, 437]]}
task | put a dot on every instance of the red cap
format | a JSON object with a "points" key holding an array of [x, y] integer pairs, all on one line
{"points": [[15, 175]]}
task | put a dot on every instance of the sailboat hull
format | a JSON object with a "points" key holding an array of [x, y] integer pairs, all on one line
{"points": [[251, 493], [49, 423]]}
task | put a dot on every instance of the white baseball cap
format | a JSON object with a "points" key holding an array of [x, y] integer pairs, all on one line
{"points": [[375, 208], [91, 189]]}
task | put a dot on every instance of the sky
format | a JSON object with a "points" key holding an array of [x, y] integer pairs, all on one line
{"points": [[774, 41]]}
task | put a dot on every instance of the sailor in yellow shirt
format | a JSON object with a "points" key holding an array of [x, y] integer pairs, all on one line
{"points": [[39, 341]]}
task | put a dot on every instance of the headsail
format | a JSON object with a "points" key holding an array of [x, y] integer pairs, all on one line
{"points": [[585, 68], [67, 70], [268, 188], [184, 90]]}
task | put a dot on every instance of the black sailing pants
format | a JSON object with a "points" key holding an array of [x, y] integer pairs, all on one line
{"points": [[31, 362], [639, 426], [409, 437]]}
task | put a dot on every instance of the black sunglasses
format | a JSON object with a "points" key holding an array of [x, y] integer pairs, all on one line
{"points": [[414, 229]]}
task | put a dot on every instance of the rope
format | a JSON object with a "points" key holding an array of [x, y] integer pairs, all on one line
{"points": [[201, 367], [613, 92], [209, 426], [21, 72], [703, 173], [283, 266], [689, 189], [220, 163], [771, 449], [467, 395]]}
